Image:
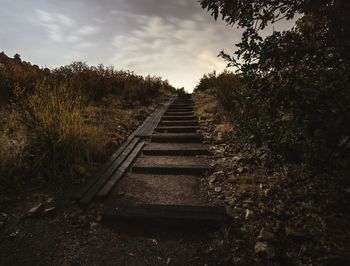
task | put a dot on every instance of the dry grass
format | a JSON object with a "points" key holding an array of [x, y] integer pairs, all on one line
{"points": [[58, 134], [12, 142], [206, 105], [207, 108]]}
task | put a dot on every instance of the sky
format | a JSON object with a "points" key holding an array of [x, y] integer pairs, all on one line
{"points": [[174, 39]]}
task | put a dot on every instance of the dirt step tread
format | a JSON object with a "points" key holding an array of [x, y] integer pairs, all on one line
{"points": [[137, 188]]}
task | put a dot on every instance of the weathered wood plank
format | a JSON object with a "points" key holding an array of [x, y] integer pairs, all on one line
{"points": [[172, 169], [178, 129], [120, 172], [177, 137], [90, 194], [179, 123], [215, 214]]}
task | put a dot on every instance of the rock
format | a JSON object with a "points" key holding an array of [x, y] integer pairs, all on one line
{"points": [[237, 158], [230, 201], [248, 214], [212, 179], [49, 210], [219, 173], [36, 209], [264, 249], [49, 200], [265, 235], [14, 234], [240, 170], [218, 189]]}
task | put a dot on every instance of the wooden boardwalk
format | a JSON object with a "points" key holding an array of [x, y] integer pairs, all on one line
{"points": [[155, 174]]}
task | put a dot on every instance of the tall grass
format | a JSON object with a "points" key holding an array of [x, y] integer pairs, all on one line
{"points": [[12, 141], [58, 136]]}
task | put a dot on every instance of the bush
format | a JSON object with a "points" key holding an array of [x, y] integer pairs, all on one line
{"points": [[58, 136], [296, 92]]}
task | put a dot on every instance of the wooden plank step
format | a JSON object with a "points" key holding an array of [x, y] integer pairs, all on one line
{"points": [[178, 129], [120, 172], [175, 149], [177, 137], [170, 113], [167, 213], [179, 108], [179, 117], [179, 123], [173, 169], [91, 193], [182, 105], [184, 102]]}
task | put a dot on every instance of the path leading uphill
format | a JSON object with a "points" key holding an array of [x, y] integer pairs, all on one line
{"points": [[166, 157], [145, 206]]}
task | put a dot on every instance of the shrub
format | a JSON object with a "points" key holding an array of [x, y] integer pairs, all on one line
{"points": [[296, 92], [58, 136]]}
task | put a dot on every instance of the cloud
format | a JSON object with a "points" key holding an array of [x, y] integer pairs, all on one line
{"points": [[63, 29], [165, 46], [88, 30]]}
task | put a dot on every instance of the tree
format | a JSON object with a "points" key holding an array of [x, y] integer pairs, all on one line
{"points": [[298, 83], [17, 57]]}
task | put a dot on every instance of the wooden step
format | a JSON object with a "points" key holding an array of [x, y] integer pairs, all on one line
{"points": [[129, 152], [173, 169], [175, 113], [179, 117], [174, 108], [167, 213], [183, 102], [178, 123], [177, 129], [177, 137], [181, 105], [177, 149]]}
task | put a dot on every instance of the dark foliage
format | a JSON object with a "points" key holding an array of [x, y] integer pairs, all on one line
{"points": [[297, 96]]}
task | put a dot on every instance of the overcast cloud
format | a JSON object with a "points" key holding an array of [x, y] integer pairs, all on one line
{"points": [[174, 39]]}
